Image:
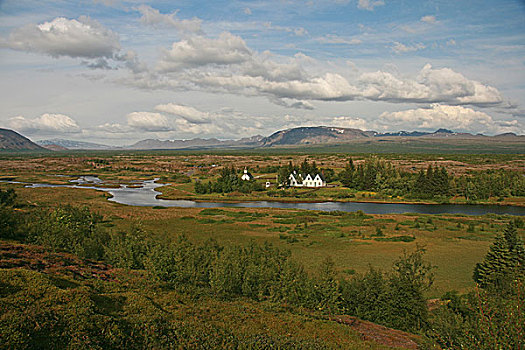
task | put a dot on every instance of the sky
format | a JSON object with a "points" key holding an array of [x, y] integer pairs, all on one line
{"points": [[120, 71]]}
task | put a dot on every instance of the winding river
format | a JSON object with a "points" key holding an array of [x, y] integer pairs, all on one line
{"points": [[144, 194]]}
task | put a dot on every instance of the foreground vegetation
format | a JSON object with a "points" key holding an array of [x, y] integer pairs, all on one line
{"points": [[176, 272], [115, 276]]}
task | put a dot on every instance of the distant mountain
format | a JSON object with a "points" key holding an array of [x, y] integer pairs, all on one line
{"points": [[73, 145], [289, 137], [306, 136], [12, 141], [55, 148], [314, 135], [196, 143], [438, 132], [443, 131], [509, 136], [405, 133]]}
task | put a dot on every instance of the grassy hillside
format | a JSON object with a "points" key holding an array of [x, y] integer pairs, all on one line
{"points": [[56, 300]]}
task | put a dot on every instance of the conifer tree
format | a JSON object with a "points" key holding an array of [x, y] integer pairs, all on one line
{"points": [[503, 264]]}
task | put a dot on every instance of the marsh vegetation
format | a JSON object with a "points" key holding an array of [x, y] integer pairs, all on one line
{"points": [[81, 271]]}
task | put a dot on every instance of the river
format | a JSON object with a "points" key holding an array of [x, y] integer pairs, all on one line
{"points": [[144, 194]]}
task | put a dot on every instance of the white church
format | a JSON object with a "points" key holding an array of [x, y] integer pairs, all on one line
{"points": [[246, 176]]}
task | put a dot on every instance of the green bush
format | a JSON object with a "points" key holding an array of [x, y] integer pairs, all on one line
{"points": [[70, 229], [127, 249], [8, 219], [395, 299]]}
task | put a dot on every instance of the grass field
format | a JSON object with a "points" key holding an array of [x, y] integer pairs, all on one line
{"points": [[180, 170], [131, 301], [355, 241]]}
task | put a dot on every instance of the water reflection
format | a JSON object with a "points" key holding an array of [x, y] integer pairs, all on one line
{"points": [[144, 193]]}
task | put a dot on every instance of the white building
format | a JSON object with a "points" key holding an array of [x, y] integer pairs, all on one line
{"points": [[246, 176], [306, 180]]}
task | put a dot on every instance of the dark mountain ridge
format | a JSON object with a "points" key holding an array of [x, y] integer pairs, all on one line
{"points": [[12, 141]]}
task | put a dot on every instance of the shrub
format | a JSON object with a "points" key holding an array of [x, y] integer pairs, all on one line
{"points": [[70, 229], [8, 220], [127, 249], [395, 299]]}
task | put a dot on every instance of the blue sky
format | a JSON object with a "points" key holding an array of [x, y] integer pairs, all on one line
{"points": [[116, 71]]}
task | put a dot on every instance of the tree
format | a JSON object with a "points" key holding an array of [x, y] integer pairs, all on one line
{"points": [[128, 249], [395, 299], [490, 317], [503, 264], [327, 286], [410, 279], [72, 229]]}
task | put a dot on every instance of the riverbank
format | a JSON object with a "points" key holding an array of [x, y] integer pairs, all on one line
{"points": [[146, 194], [173, 192]]}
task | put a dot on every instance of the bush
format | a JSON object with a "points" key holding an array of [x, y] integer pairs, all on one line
{"points": [[8, 220], [402, 238], [394, 299], [127, 249], [70, 229]]}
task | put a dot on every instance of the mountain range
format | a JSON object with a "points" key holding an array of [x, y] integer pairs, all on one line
{"points": [[317, 135], [73, 145]]}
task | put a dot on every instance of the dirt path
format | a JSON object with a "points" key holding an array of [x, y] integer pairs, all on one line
{"points": [[380, 334]]}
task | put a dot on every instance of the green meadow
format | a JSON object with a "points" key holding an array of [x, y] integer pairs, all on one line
{"points": [[355, 241]]}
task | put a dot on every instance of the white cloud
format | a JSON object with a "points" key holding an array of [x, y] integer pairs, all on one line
{"points": [[431, 85], [384, 86], [148, 121], [429, 19], [335, 39], [190, 114], [82, 38], [113, 128], [264, 66], [298, 31], [401, 48], [227, 64], [451, 117], [446, 84], [328, 87], [46, 123], [200, 51], [350, 122], [293, 103], [153, 17], [109, 3], [369, 4]]}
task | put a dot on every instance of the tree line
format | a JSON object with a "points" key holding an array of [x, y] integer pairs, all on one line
{"points": [[381, 176], [433, 183], [229, 181]]}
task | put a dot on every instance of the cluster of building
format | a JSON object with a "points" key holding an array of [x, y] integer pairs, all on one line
{"points": [[306, 180], [295, 179]]}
